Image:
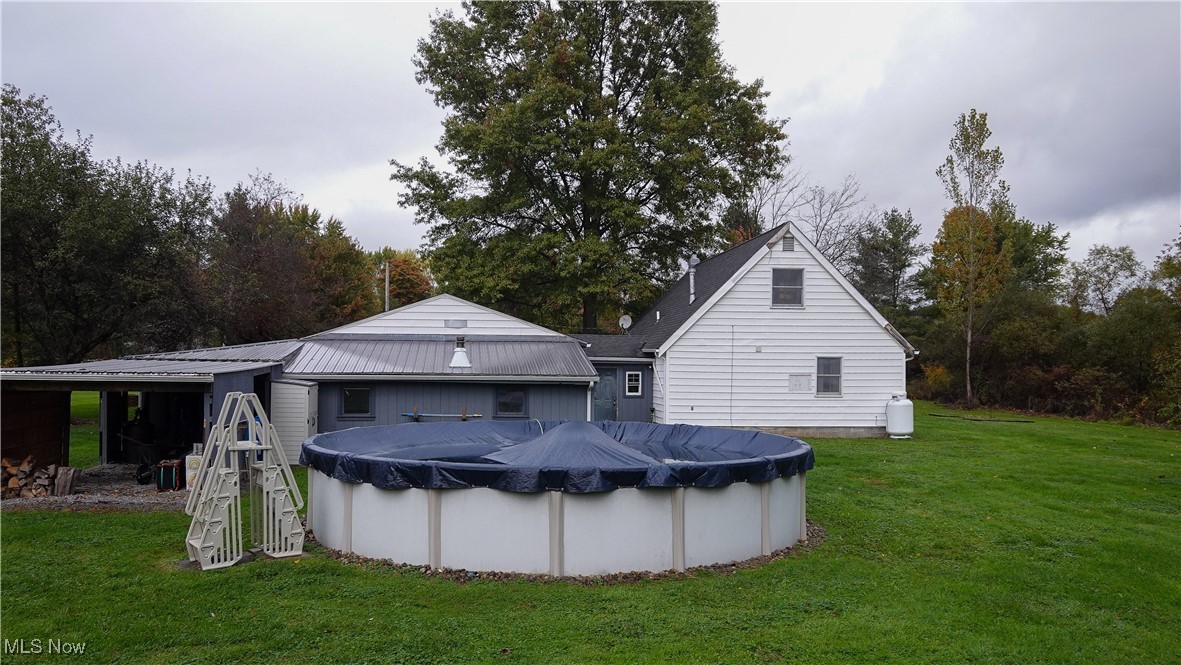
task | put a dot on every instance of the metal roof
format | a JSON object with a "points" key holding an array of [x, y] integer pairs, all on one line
{"points": [[536, 358], [133, 369], [279, 351]]}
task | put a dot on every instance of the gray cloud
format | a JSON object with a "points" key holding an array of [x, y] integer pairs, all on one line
{"points": [[1084, 99]]}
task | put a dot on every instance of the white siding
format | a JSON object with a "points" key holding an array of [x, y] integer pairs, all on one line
{"points": [[293, 413], [659, 374], [732, 367]]}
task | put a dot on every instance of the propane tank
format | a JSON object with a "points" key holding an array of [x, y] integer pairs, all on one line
{"points": [[899, 417]]}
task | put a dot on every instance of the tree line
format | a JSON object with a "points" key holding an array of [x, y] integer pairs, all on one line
{"points": [[1001, 316], [588, 150], [105, 258]]}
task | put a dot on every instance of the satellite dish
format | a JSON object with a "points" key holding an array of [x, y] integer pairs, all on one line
{"points": [[625, 322]]}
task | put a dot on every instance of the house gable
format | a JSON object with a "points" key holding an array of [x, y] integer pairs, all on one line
{"points": [[769, 244], [744, 361], [441, 315]]}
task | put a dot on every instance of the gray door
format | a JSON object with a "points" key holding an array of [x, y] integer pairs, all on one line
{"points": [[606, 402]]}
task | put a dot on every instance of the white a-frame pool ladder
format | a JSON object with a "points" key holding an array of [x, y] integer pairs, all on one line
{"points": [[243, 439]]}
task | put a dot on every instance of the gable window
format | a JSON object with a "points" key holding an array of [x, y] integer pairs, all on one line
{"points": [[510, 401], [828, 376], [787, 287], [356, 402], [634, 382]]}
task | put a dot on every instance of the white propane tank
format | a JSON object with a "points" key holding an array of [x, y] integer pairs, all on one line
{"points": [[899, 417]]}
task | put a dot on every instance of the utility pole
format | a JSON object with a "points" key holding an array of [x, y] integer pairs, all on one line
{"points": [[387, 285]]}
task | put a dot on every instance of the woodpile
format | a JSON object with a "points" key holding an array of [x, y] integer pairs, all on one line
{"points": [[23, 479]]}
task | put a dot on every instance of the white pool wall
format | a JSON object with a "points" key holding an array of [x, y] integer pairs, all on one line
{"points": [[559, 533]]}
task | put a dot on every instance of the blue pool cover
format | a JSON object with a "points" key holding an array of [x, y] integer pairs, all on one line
{"points": [[535, 456]]}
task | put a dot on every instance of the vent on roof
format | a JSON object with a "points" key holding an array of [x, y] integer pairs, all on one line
{"points": [[459, 358], [789, 244], [455, 323]]}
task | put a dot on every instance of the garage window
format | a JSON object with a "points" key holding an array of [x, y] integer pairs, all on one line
{"points": [[510, 401], [356, 402]]}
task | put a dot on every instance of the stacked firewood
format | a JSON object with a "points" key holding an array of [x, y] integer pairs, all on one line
{"points": [[23, 479]]}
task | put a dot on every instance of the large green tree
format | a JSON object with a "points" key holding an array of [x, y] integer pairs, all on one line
{"points": [[589, 145], [98, 257]]}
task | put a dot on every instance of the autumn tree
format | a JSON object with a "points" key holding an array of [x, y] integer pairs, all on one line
{"points": [[98, 257], [340, 275], [967, 264], [277, 269], [409, 278], [588, 144]]}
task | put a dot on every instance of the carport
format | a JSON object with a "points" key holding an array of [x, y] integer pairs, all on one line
{"points": [[178, 399]]}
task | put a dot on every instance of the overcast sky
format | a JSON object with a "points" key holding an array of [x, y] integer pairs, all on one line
{"points": [[1084, 99]]}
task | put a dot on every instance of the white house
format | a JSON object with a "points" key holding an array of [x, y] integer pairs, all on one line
{"points": [[768, 334]]}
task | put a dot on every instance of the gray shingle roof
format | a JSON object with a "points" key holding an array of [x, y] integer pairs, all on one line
{"points": [[674, 306], [613, 346]]}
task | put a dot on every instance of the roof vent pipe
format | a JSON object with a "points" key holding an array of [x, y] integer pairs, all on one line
{"points": [[459, 358], [693, 261]]}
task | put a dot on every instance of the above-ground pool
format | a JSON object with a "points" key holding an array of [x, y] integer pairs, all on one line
{"points": [[563, 498]]}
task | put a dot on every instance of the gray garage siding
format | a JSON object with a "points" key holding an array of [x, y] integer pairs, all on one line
{"points": [[391, 399]]}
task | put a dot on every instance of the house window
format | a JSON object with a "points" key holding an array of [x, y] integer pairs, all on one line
{"points": [[789, 244], [787, 287], [634, 382], [828, 376], [510, 401], [356, 402]]}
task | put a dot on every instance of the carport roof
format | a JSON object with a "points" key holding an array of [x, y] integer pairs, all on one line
{"points": [[273, 352], [134, 369]]}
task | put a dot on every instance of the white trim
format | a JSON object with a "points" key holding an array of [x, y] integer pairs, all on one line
{"points": [[725, 288], [626, 383], [803, 287], [469, 378], [98, 378], [801, 239], [840, 377], [607, 359]]}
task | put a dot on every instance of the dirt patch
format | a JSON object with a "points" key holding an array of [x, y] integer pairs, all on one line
{"points": [[106, 487]]}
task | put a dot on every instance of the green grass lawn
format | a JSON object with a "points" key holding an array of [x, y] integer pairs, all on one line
{"points": [[84, 408], [1053, 541], [83, 429]]}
